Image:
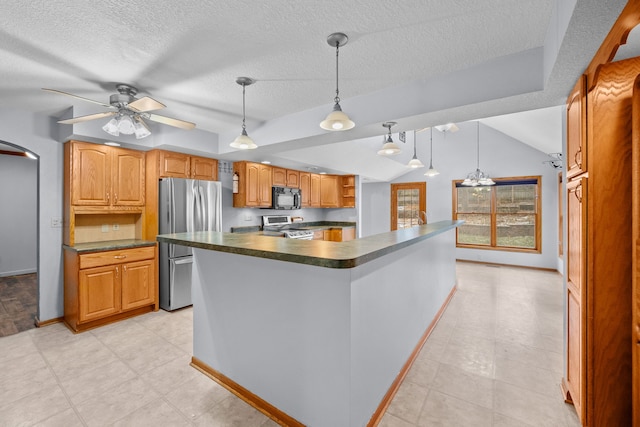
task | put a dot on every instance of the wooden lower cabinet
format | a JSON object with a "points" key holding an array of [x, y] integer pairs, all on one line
{"points": [[339, 234], [102, 287]]}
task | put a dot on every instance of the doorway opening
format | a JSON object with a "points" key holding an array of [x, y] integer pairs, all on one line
{"points": [[19, 234], [408, 205]]}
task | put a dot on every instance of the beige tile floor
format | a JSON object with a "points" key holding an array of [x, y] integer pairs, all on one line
{"points": [[495, 359]]}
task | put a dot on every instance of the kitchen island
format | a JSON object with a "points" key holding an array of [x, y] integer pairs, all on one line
{"points": [[313, 332]]}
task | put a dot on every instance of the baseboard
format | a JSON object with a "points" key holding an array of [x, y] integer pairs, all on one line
{"points": [[42, 323], [497, 264], [395, 386], [17, 273], [261, 405]]}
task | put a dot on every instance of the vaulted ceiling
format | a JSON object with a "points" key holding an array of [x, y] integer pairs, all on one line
{"points": [[417, 62]]}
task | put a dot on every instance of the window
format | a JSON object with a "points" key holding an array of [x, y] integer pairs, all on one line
{"points": [[505, 216], [408, 204]]}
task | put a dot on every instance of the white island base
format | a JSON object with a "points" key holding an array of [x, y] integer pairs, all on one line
{"points": [[313, 345]]}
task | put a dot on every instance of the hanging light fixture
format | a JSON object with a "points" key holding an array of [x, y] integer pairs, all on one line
{"points": [[243, 141], [478, 177], [389, 148], [415, 163], [337, 120], [431, 171]]}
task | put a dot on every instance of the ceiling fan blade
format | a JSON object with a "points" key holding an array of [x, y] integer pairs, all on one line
{"points": [[79, 97], [81, 119], [145, 104], [169, 121]]}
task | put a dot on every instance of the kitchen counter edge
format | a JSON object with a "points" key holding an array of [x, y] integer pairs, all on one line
{"points": [[109, 245], [348, 254]]}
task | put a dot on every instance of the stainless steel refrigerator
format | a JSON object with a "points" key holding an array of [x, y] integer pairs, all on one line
{"points": [[185, 205]]}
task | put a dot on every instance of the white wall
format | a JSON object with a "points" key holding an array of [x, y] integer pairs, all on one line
{"points": [[18, 215], [454, 156], [35, 133]]}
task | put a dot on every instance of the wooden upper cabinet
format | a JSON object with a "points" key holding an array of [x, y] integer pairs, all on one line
{"points": [[204, 168], [254, 185], [305, 189], [180, 165], [90, 174], [330, 194], [105, 176], [348, 191], [128, 178], [279, 176], [314, 201], [174, 165], [293, 178], [577, 129]]}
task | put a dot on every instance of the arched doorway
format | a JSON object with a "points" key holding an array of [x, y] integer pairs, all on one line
{"points": [[18, 239]]}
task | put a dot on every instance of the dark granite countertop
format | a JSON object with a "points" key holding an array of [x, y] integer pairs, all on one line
{"points": [[313, 252], [109, 245], [311, 225]]}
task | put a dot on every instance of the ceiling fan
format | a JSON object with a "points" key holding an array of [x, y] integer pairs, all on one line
{"points": [[129, 113]]}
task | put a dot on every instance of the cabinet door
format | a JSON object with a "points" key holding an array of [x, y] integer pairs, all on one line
{"points": [[315, 191], [329, 191], [98, 293], [279, 176], [252, 184], [293, 178], [576, 294], [204, 168], [174, 165], [348, 233], [577, 129], [138, 284], [90, 175], [305, 189], [128, 178], [265, 185]]}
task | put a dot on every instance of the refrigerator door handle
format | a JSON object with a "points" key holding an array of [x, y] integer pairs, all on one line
{"points": [[186, 260]]}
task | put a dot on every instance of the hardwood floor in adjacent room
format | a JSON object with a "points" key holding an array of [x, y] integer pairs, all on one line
{"points": [[494, 359], [18, 303]]}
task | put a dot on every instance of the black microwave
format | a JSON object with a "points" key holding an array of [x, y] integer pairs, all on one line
{"points": [[286, 198]]}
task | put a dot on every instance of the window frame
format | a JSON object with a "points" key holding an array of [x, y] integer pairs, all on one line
{"points": [[493, 214]]}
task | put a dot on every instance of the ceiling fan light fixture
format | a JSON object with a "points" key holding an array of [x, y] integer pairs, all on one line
{"points": [[141, 129], [337, 120], [243, 141], [111, 127], [125, 125]]}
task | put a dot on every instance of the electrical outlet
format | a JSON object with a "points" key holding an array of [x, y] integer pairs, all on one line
{"points": [[105, 228], [247, 217], [56, 222], [116, 227]]}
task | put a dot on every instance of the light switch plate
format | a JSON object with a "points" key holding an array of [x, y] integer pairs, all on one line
{"points": [[105, 228]]}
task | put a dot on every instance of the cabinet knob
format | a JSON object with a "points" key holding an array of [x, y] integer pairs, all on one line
{"points": [[119, 256]]}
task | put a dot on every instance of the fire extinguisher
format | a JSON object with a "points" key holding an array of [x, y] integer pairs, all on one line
{"points": [[236, 179]]}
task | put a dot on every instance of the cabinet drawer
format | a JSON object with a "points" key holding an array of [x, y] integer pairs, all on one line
{"points": [[116, 257]]}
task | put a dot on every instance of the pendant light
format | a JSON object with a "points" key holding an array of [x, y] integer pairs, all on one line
{"points": [[389, 148], [243, 142], [337, 120], [431, 171], [477, 178], [415, 163]]}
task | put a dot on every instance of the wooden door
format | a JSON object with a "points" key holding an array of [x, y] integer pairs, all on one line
{"points": [[98, 293], [575, 381], [305, 189], [329, 191], [174, 165], [90, 175], [315, 191], [408, 204], [279, 176], [293, 178], [128, 186], [204, 168], [265, 185], [577, 129], [138, 280]]}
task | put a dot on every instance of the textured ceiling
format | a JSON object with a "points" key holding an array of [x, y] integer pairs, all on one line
{"points": [[188, 54]]}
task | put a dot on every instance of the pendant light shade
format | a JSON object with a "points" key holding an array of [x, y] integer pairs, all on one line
{"points": [[431, 171], [337, 120], [389, 148], [415, 163], [478, 178], [243, 141]]}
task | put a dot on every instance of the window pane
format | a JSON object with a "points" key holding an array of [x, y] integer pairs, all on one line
{"points": [[408, 203], [476, 230], [516, 230], [474, 199], [516, 198]]}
